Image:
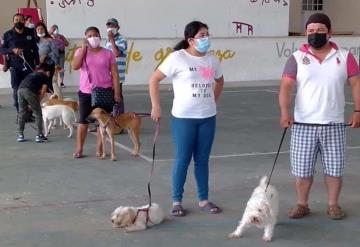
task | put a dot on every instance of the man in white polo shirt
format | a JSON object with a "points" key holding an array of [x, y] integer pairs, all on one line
{"points": [[319, 70]]}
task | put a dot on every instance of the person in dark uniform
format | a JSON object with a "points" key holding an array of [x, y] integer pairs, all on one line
{"points": [[19, 44]]}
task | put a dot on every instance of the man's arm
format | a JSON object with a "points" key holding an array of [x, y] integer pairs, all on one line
{"points": [[114, 48], [4, 48], [355, 87], [43, 91], [285, 98]]}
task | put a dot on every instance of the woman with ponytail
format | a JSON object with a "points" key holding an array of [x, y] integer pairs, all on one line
{"points": [[197, 82]]}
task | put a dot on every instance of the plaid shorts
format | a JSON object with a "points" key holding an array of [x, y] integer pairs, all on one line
{"points": [[307, 140]]}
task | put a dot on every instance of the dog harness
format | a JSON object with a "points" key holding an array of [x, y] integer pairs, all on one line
{"points": [[146, 210]]}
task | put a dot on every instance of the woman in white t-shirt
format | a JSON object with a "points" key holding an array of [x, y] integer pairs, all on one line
{"points": [[197, 82]]}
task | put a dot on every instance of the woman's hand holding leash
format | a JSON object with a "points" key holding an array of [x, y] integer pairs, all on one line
{"points": [[156, 113]]}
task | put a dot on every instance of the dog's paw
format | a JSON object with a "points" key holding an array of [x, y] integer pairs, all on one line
{"points": [[267, 238], [234, 235]]}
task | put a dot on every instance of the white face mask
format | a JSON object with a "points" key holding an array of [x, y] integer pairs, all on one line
{"points": [[30, 25], [40, 35], [112, 29], [56, 31], [94, 42]]}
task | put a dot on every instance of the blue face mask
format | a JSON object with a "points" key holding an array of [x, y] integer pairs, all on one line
{"points": [[202, 44]]}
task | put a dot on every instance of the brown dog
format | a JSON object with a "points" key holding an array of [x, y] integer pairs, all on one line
{"points": [[112, 125]]}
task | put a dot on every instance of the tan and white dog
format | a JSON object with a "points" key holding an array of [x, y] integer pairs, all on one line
{"points": [[110, 125], [53, 112], [261, 211], [137, 218]]}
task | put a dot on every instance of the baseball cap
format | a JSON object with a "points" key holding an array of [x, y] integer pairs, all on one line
{"points": [[112, 21], [319, 18]]}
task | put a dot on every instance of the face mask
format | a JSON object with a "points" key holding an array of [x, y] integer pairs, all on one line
{"points": [[19, 25], [317, 40], [112, 29], [202, 45], [30, 25], [40, 35], [94, 42], [56, 31]]}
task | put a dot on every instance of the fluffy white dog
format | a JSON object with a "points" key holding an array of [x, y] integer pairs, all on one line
{"points": [[261, 211], [137, 218], [51, 112]]}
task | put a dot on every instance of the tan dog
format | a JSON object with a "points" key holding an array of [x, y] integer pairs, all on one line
{"points": [[112, 125], [54, 100]]}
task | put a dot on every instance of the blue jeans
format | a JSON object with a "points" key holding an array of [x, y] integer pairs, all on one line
{"points": [[192, 138]]}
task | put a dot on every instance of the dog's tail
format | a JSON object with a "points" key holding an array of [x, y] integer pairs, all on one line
{"points": [[143, 114], [263, 181]]}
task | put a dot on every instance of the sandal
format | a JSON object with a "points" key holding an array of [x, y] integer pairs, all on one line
{"points": [[178, 211], [210, 208], [78, 155], [298, 212], [335, 213]]}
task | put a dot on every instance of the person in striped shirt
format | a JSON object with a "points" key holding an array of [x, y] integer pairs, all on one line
{"points": [[118, 45]]}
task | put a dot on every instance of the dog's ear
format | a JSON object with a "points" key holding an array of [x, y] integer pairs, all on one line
{"points": [[130, 214]]}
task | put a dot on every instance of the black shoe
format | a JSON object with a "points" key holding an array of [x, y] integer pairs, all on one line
{"points": [[40, 138]]}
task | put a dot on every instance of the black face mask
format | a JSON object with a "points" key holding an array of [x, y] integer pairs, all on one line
{"points": [[19, 25], [317, 40]]}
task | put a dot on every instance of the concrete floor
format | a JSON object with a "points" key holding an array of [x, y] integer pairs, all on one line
{"points": [[48, 199]]}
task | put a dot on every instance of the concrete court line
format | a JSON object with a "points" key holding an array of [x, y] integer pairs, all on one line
{"points": [[119, 145], [246, 154]]}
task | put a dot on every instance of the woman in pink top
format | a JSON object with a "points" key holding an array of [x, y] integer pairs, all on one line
{"points": [[97, 64]]}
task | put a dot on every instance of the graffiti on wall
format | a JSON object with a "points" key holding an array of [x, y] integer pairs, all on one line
{"points": [[67, 3], [263, 2], [239, 27], [135, 56]]}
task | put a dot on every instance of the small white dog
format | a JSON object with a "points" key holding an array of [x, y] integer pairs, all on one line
{"points": [[51, 112], [137, 218], [261, 211]]}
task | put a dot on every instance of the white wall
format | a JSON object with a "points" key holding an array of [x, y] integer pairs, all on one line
{"points": [[167, 18], [255, 59]]}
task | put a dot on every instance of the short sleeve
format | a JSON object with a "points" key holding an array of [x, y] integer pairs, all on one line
{"points": [[168, 66], [290, 69], [352, 66], [121, 44]]}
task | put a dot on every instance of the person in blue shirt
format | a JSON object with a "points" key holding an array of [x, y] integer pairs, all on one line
{"points": [[118, 45]]}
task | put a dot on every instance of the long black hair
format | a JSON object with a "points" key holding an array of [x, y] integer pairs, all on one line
{"points": [[47, 35], [191, 29]]}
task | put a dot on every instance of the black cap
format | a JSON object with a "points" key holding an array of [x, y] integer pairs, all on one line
{"points": [[319, 18]]}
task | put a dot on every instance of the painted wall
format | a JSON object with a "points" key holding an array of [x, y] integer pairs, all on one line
{"points": [[167, 19], [344, 15], [255, 59]]}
